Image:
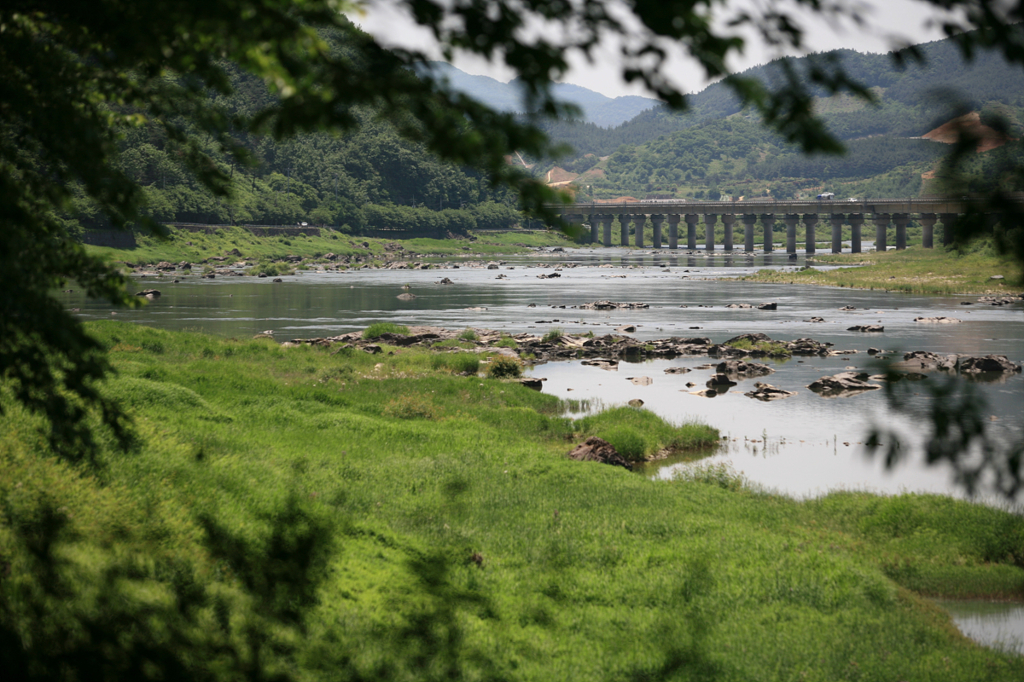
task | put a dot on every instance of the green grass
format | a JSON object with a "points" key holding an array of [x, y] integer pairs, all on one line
{"points": [[553, 335], [915, 270], [428, 525], [457, 363], [506, 342], [468, 335], [378, 329], [637, 434], [196, 246], [774, 349]]}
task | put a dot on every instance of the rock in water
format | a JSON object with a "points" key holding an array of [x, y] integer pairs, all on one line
{"points": [[741, 369], [937, 320], [866, 328], [842, 385], [767, 392], [595, 449], [989, 363]]}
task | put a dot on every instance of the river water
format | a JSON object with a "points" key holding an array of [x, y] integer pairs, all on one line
{"points": [[803, 446]]}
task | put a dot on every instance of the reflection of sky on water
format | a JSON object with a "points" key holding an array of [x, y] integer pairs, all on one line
{"points": [[995, 624], [814, 444]]}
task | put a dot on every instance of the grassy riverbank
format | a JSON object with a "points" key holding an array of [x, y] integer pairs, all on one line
{"points": [[198, 246], [915, 270], [329, 514]]}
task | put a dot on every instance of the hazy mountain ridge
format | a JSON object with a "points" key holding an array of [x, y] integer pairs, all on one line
{"points": [[596, 108]]}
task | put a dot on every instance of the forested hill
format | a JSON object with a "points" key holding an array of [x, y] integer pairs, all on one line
{"points": [[371, 178], [911, 100]]}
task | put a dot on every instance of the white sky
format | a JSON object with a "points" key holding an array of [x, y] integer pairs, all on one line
{"points": [[889, 24]]}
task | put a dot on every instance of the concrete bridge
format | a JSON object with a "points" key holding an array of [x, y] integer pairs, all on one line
{"points": [[744, 215]]}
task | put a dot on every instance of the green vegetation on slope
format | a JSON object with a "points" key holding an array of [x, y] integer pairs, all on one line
{"points": [[309, 513], [196, 246], [916, 270]]}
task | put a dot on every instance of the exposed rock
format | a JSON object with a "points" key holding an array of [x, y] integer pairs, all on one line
{"points": [[874, 351], [445, 280], [372, 349], [276, 279], [866, 328], [406, 296], [816, 319], [719, 379], [767, 392], [595, 449], [752, 338], [741, 369], [842, 385], [677, 370], [551, 276], [988, 363], [264, 335], [602, 364], [708, 392], [492, 266], [922, 360], [611, 305], [768, 306], [847, 308], [626, 329], [641, 381], [164, 265], [635, 402], [937, 320], [234, 252], [151, 294], [739, 305], [531, 382]]}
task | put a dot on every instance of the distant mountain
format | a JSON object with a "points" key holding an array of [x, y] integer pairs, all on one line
{"points": [[602, 111], [912, 99]]}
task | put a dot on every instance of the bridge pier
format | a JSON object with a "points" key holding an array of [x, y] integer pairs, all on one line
{"points": [[855, 220], [767, 224], [727, 220], [901, 220], [791, 219], [624, 229], [927, 221], [657, 220], [673, 230], [710, 220], [606, 229], [639, 220], [749, 220], [948, 221], [837, 231], [691, 231], [592, 219], [810, 241], [881, 221]]}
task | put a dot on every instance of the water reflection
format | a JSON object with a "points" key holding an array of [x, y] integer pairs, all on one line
{"points": [[996, 624]]}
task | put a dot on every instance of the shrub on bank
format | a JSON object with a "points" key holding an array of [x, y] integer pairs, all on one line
{"points": [[505, 367]]}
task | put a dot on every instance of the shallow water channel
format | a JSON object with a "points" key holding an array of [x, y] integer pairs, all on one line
{"points": [[803, 446]]}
